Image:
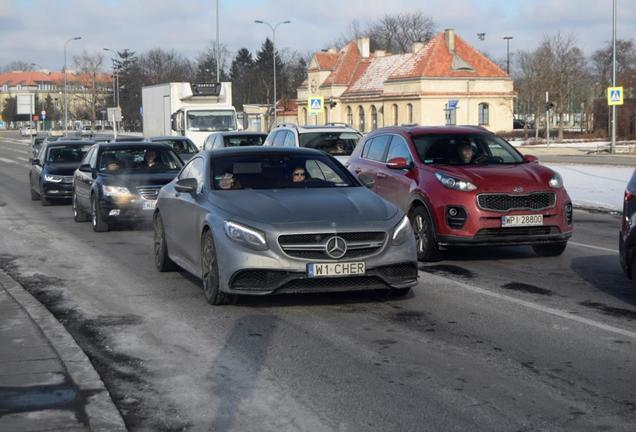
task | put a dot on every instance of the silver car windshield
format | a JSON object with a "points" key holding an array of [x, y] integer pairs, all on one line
{"points": [[282, 171], [465, 149]]}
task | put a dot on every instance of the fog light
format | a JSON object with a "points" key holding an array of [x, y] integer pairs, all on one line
{"points": [[114, 212], [452, 211], [456, 217]]}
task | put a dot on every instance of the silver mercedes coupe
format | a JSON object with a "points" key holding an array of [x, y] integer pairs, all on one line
{"points": [[259, 220]]}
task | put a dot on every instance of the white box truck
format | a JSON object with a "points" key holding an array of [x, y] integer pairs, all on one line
{"points": [[193, 110]]}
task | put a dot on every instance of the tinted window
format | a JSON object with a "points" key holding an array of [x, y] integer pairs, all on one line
{"points": [[399, 148], [197, 171], [138, 159], [180, 146], [185, 172], [487, 149], [87, 156], [244, 140], [67, 154], [378, 147], [334, 143], [276, 171]]}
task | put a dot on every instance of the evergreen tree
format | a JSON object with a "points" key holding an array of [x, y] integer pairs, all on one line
{"points": [[264, 84], [242, 76]]}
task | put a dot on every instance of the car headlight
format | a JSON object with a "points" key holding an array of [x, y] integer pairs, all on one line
{"points": [[556, 181], [247, 236], [455, 183], [52, 178], [402, 232], [115, 190]]}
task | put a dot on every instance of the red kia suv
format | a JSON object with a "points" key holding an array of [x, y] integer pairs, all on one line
{"points": [[465, 186]]}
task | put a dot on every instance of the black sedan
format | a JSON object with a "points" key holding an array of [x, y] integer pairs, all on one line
{"points": [[51, 175], [120, 182], [627, 238], [183, 146]]}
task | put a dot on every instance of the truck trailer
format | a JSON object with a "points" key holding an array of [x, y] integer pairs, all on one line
{"points": [[193, 110]]}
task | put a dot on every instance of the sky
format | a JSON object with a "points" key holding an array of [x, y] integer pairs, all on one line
{"points": [[34, 31]]}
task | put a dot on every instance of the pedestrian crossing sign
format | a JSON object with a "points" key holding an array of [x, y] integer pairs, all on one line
{"points": [[315, 104], [615, 96]]}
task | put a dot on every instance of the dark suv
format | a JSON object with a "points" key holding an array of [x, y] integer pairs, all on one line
{"points": [[627, 239], [462, 186], [121, 182]]}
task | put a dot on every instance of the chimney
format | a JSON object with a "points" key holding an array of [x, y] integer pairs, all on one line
{"points": [[449, 35], [379, 53], [332, 50], [417, 46], [363, 46]]}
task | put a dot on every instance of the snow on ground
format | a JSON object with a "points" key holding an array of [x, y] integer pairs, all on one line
{"points": [[595, 186]]}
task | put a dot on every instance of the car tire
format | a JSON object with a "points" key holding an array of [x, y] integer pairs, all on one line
{"points": [[162, 260], [549, 249], [79, 215], [210, 273], [34, 195], [424, 235], [97, 219]]}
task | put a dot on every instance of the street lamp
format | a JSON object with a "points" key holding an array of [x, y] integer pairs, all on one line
{"points": [[115, 79], [507, 39], [65, 95], [274, 55], [613, 142]]}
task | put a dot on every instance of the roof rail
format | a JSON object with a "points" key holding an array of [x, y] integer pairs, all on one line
{"points": [[409, 125], [286, 125], [337, 124]]}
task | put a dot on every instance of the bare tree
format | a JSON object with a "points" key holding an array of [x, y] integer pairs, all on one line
{"points": [[89, 68], [625, 66], [396, 33], [18, 65]]}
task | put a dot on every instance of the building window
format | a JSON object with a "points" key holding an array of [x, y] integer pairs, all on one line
{"points": [[349, 116], [326, 114], [484, 114], [361, 119], [395, 114], [409, 113], [304, 119], [374, 118], [451, 116]]}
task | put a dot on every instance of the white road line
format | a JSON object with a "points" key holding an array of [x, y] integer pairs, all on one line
{"points": [[593, 247], [17, 150], [548, 310], [9, 161]]}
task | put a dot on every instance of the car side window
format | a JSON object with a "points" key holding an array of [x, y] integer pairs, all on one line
{"points": [[378, 148], [399, 148], [365, 149], [279, 138], [289, 140], [93, 160], [87, 156], [185, 172], [197, 171]]}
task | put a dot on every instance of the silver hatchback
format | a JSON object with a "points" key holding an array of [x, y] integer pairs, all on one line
{"points": [[258, 220]]}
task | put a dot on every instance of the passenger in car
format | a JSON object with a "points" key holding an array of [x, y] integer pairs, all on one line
{"points": [[298, 175]]}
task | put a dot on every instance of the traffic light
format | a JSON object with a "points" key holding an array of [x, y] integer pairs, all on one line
{"points": [[549, 106]]}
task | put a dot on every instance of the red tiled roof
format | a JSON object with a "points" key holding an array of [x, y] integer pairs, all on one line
{"points": [[372, 73], [435, 60], [287, 106], [33, 78], [348, 59], [326, 60]]}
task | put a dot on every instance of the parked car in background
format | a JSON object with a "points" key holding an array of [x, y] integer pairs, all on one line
{"points": [[27, 131], [246, 221], [183, 146], [51, 174], [464, 187], [336, 139], [219, 140], [627, 237], [119, 182]]}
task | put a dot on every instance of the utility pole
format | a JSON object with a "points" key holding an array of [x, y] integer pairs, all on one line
{"points": [[65, 93], [218, 46], [613, 143], [507, 39], [547, 118]]}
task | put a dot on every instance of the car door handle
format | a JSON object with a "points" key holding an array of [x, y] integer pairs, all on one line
{"points": [[380, 175]]}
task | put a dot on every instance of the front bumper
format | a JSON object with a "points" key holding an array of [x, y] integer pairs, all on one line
{"points": [[507, 237], [250, 272], [125, 210], [61, 190]]}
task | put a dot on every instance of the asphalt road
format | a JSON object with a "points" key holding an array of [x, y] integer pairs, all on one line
{"points": [[490, 339]]}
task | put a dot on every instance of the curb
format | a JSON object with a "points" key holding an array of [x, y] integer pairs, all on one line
{"points": [[592, 209], [102, 414]]}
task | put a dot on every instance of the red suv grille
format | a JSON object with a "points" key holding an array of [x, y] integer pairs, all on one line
{"points": [[507, 202]]}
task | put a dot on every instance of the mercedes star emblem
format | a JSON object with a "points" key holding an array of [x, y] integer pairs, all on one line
{"points": [[336, 247]]}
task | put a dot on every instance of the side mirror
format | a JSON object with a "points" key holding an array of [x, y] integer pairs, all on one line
{"points": [[35, 161], [367, 181], [530, 158], [398, 163], [85, 168], [186, 185]]}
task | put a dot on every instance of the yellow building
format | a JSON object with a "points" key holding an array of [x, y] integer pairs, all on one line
{"points": [[445, 81]]}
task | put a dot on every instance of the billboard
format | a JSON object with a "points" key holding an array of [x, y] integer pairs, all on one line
{"points": [[26, 104]]}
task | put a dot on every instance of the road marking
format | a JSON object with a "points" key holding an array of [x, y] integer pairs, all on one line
{"points": [[17, 151], [593, 247], [548, 310], [9, 161]]}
